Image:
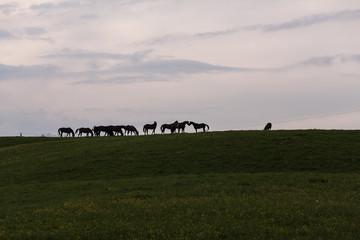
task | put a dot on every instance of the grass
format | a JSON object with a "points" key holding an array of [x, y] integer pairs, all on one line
{"points": [[216, 185]]}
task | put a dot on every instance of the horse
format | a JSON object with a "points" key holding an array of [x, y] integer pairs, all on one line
{"points": [[182, 126], [68, 131], [199, 126], [80, 131], [106, 129], [129, 129], [268, 126], [149, 126], [172, 126], [117, 129]]}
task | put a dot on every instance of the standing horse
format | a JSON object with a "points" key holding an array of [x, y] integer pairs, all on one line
{"points": [[68, 131], [80, 131], [129, 129], [182, 126], [268, 126], [172, 126], [199, 126], [149, 126]]}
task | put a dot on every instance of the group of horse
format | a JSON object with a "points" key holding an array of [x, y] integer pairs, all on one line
{"points": [[121, 130], [97, 130]]}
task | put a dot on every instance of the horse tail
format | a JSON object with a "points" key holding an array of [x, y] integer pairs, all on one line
{"points": [[207, 127], [59, 131], [77, 130]]}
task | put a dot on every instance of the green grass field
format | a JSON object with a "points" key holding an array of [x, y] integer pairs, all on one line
{"points": [[218, 185]]}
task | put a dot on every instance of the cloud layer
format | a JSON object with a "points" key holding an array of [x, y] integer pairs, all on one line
{"points": [[230, 64]]}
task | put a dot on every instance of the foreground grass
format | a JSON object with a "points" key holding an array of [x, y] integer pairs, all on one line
{"points": [[226, 206], [227, 185]]}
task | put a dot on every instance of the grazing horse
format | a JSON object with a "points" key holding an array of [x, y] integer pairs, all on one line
{"points": [[80, 131], [199, 126], [68, 131], [106, 129], [172, 126], [268, 126], [182, 126], [129, 129], [117, 129], [149, 126]]}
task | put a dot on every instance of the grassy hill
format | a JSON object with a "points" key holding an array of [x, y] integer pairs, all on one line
{"points": [[215, 185]]}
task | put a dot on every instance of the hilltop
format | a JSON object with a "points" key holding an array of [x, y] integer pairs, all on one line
{"points": [[213, 152]]}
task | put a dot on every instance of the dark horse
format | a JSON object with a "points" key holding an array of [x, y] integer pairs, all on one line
{"points": [[268, 126], [129, 129], [199, 126], [106, 129], [68, 131], [149, 126], [80, 131], [182, 126], [172, 126], [117, 129]]}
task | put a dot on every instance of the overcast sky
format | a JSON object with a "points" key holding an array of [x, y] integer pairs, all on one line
{"points": [[231, 64]]}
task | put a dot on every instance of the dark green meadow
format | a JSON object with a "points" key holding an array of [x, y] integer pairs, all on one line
{"points": [[302, 184]]}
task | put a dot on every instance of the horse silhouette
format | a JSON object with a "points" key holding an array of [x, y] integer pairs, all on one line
{"points": [[80, 131], [149, 126], [268, 126], [202, 126], [182, 126], [68, 131], [129, 129], [172, 126], [106, 129], [116, 129]]}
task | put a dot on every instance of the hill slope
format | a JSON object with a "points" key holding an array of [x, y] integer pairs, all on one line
{"points": [[38, 160], [216, 185]]}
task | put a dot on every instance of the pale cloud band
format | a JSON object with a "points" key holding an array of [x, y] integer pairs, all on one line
{"points": [[145, 70], [306, 21]]}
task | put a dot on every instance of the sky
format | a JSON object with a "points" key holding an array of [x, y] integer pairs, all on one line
{"points": [[234, 65]]}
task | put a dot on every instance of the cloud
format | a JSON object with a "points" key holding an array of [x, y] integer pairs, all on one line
{"points": [[330, 60], [177, 66], [310, 20], [90, 3], [51, 5], [217, 33], [89, 16], [68, 53], [8, 72], [35, 31], [155, 70], [4, 34], [7, 8], [149, 70], [346, 15], [185, 37]]}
